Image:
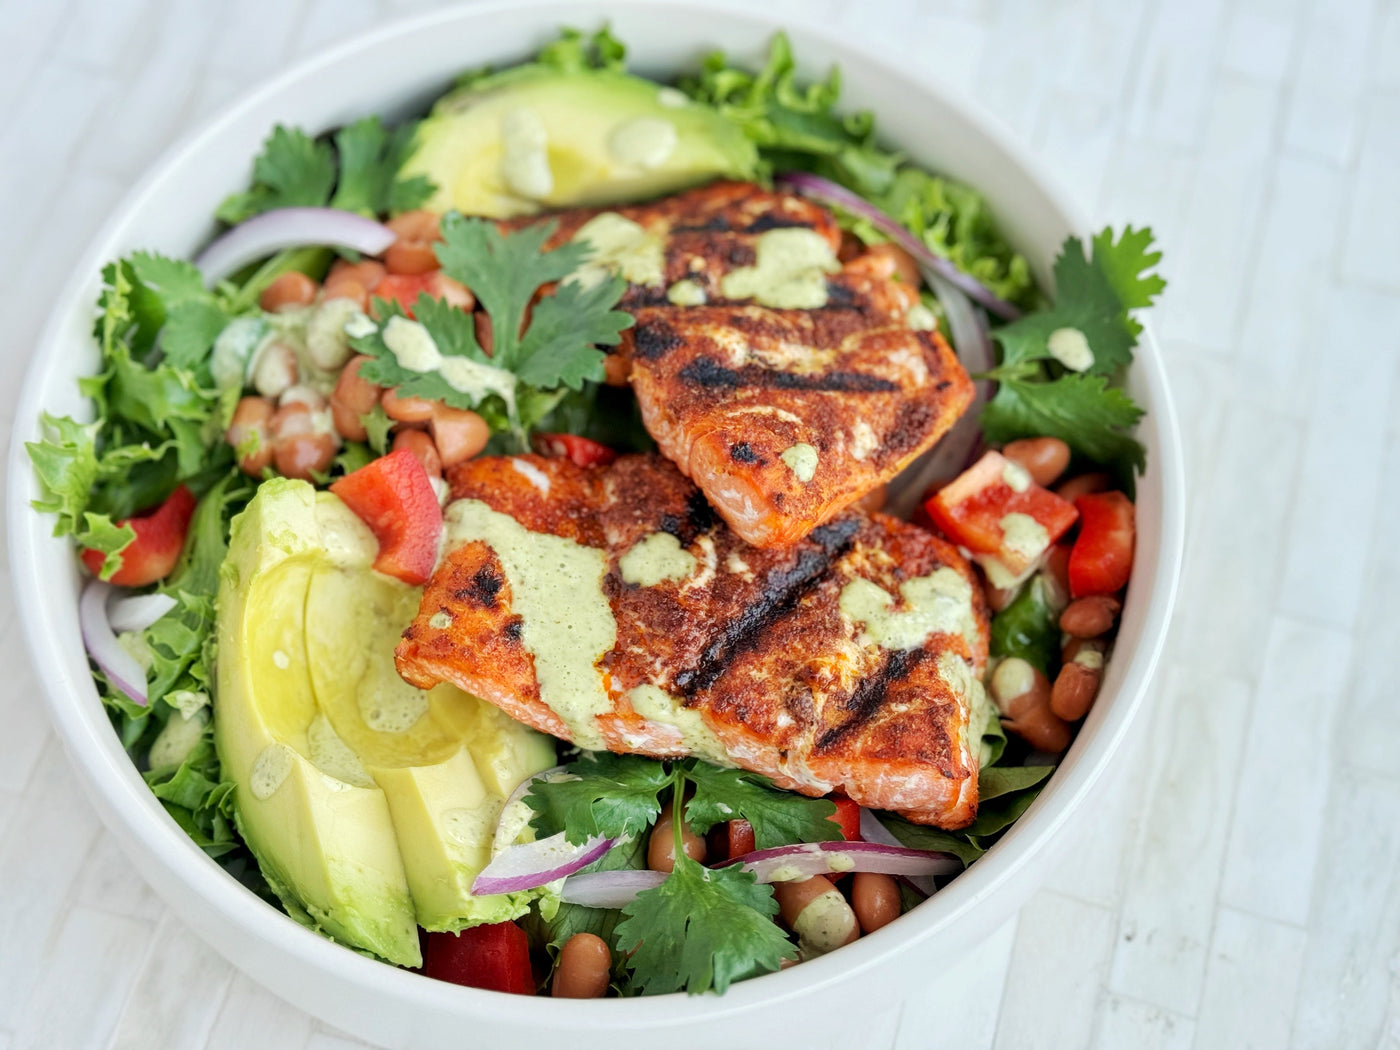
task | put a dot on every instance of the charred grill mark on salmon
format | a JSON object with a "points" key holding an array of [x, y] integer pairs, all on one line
{"points": [[750, 644], [704, 372]]}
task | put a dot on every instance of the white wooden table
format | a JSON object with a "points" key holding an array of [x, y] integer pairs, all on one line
{"points": [[1242, 888]]}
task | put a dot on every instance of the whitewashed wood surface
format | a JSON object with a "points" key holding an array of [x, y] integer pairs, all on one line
{"points": [[1242, 886]]}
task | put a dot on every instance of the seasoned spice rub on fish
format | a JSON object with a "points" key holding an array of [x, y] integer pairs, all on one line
{"points": [[786, 385], [609, 606]]}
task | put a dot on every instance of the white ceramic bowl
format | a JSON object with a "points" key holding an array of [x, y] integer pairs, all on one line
{"points": [[397, 70]]}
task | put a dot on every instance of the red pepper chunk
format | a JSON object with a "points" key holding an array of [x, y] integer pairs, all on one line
{"points": [[585, 452], [972, 509], [1102, 558], [160, 537], [495, 957], [848, 816], [394, 497]]}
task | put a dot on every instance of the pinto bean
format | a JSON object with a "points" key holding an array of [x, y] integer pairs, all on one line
{"points": [[290, 289], [352, 398], [816, 911], [1045, 458], [1090, 617], [252, 418], [584, 968], [661, 847], [875, 900]]}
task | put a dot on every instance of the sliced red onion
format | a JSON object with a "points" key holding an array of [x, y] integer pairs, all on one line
{"points": [[957, 448], [281, 228], [139, 611], [123, 672], [785, 863], [825, 190], [609, 889], [533, 864], [873, 829]]}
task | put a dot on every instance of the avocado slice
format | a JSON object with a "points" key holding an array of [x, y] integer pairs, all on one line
{"points": [[445, 760], [536, 137], [326, 845]]}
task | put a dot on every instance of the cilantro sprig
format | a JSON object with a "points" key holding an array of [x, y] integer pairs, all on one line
{"points": [[702, 928], [356, 169], [1095, 295], [536, 359]]}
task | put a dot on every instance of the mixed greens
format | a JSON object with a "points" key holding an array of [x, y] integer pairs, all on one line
{"points": [[162, 408]]}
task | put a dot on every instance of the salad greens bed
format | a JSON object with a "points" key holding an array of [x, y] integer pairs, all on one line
{"points": [[160, 417]]}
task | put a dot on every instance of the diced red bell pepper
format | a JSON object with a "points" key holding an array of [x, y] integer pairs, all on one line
{"points": [[585, 452], [394, 497], [160, 537], [848, 816], [1102, 558], [495, 957], [405, 288], [972, 509]]}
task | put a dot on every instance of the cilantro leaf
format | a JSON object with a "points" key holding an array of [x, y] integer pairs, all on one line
{"points": [[292, 170], [778, 817], [101, 534], [370, 159], [173, 281], [530, 367], [1125, 264], [453, 332], [550, 354], [607, 794], [1094, 296], [1081, 410], [190, 330], [701, 929], [504, 271]]}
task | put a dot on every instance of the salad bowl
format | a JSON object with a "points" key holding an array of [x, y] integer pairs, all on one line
{"points": [[397, 70]]}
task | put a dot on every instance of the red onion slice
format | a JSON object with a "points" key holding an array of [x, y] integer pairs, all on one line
{"points": [[609, 889], [825, 190], [957, 448], [280, 228], [121, 669], [872, 829], [139, 611], [532, 864], [785, 863]]}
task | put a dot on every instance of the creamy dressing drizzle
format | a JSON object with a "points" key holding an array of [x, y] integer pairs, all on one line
{"points": [[414, 349], [620, 246], [789, 271], [556, 589], [643, 142], [940, 603], [654, 559], [801, 460], [525, 154], [656, 705]]}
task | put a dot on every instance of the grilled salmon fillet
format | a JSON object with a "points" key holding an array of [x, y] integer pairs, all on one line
{"points": [[611, 607], [783, 416]]}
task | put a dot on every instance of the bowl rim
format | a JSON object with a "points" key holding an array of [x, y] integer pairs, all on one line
{"points": [[110, 777]]}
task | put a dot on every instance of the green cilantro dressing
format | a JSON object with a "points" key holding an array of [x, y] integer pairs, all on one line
{"points": [[920, 318], [801, 460], [686, 293], [643, 142], [656, 705], [557, 589], [620, 246], [654, 559], [525, 154], [1070, 347], [789, 271], [1023, 535], [940, 603], [413, 347]]}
